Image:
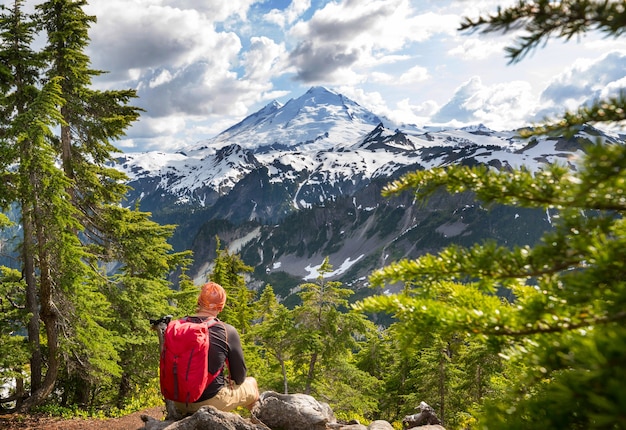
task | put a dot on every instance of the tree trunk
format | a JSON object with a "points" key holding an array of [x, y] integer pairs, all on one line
{"points": [[123, 389], [479, 382], [309, 378], [32, 300], [49, 317], [284, 371], [442, 384], [19, 391]]}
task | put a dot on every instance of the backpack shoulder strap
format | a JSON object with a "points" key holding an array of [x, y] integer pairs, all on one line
{"points": [[210, 324]]}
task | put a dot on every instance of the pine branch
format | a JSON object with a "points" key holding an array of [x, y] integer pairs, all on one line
{"points": [[589, 322], [13, 303], [544, 19], [611, 110]]}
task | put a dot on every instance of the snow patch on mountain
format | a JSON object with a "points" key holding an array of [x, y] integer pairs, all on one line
{"points": [[343, 268]]}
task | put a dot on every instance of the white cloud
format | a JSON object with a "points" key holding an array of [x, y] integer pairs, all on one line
{"points": [[162, 78], [182, 67], [478, 49], [352, 34], [152, 133], [264, 59], [218, 11], [200, 66], [372, 100], [613, 89], [414, 74], [136, 36], [289, 15], [407, 113], [587, 78], [475, 8], [499, 106], [585, 81]]}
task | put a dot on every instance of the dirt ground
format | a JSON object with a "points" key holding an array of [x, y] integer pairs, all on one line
{"points": [[42, 422]]}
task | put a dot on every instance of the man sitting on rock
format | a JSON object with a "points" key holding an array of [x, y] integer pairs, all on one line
{"points": [[225, 348]]}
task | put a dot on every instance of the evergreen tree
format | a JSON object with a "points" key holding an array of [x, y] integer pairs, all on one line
{"points": [[47, 246], [19, 80], [92, 118], [139, 291], [563, 334], [274, 333], [86, 262], [327, 337], [14, 318], [186, 298], [228, 271], [381, 358]]}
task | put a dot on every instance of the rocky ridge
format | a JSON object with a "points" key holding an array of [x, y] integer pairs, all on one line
{"points": [[276, 411]]}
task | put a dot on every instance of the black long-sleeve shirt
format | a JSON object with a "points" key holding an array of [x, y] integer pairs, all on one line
{"points": [[225, 344]]}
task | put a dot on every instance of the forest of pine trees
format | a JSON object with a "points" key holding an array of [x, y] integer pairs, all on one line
{"points": [[76, 302]]}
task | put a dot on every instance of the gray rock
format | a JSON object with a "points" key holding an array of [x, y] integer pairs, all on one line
{"points": [[426, 416], [353, 427], [431, 427], [379, 425], [292, 412], [276, 411], [206, 418]]}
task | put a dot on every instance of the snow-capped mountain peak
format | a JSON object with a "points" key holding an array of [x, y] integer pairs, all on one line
{"points": [[320, 117]]}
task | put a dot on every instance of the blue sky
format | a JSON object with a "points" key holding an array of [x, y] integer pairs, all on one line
{"points": [[200, 66]]}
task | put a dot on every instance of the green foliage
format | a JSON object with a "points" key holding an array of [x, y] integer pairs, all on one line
{"points": [[317, 348], [550, 357], [560, 340], [543, 19], [186, 298], [325, 339], [12, 307], [351, 392], [147, 397], [274, 333], [228, 271], [428, 358], [568, 291], [91, 272], [282, 284]]}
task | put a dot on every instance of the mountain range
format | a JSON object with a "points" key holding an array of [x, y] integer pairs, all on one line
{"points": [[294, 183]]}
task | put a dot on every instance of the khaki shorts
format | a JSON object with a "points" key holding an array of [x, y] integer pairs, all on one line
{"points": [[226, 399]]}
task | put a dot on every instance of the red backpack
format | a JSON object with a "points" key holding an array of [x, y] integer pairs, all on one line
{"points": [[184, 364]]}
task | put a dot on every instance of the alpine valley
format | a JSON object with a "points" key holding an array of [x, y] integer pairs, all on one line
{"points": [[292, 184]]}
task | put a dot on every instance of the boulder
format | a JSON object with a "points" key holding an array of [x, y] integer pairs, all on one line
{"points": [[380, 425], [431, 427], [425, 417], [292, 412], [276, 411], [206, 418], [339, 426]]}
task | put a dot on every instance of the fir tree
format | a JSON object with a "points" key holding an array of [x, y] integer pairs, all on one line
{"points": [[19, 83], [274, 331], [326, 335], [563, 333], [86, 262], [228, 271]]}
